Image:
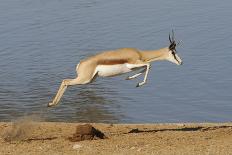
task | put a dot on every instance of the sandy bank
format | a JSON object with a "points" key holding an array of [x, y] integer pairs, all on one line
{"points": [[52, 139]]}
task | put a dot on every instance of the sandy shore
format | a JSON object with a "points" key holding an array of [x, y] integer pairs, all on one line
{"points": [[51, 138]]}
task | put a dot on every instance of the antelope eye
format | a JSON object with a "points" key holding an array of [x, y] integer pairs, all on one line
{"points": [[173, 53]]}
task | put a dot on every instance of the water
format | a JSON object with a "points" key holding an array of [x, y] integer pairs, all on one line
{"points": [[42, 41]]}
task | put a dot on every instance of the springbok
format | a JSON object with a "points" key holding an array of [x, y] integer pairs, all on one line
{"points": [[116, 62]]}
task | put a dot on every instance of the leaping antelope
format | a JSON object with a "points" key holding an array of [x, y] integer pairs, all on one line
{"points": [[116, 62]]}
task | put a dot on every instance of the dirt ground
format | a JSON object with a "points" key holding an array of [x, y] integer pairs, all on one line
{"points": [[51, 138]]}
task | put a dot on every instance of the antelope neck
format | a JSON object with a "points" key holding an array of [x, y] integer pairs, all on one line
{"points": [[153, 55]]}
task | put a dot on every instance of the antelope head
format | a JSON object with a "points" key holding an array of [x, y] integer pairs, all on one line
{"points": [[172, 54]]}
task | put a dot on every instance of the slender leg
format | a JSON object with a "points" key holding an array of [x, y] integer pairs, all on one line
{"points": [[140, 64], [86, 73], [145, 77], [59, 94], [136, 75], [64, 85]]}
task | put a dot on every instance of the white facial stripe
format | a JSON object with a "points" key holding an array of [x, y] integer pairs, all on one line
{"points": [[174, 58], [178, 58]]}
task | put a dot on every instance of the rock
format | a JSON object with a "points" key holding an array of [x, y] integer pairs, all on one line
{"points": [[86, 132], [135, 131], [76, 146]]}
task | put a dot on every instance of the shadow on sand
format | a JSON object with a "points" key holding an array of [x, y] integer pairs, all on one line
{"points": [[199, 128]]}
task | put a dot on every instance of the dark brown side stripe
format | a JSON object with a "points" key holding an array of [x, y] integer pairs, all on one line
{"points": [[112, 61]]}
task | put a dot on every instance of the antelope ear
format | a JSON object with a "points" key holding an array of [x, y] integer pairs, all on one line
{"points": [[172, 46]]}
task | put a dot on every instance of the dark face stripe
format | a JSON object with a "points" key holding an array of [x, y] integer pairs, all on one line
{"points": [[173, 53]]}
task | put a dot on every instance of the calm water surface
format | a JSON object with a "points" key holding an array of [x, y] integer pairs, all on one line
{"points": [[42, 41]]}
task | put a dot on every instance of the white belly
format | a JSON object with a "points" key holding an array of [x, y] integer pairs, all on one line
{"points": [[112, 70]]}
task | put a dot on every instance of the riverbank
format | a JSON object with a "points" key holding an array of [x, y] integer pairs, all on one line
{"points": [[52, 138]]}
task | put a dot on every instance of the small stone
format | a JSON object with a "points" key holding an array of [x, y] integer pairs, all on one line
{"points": [[132, 148], [76, 146]]}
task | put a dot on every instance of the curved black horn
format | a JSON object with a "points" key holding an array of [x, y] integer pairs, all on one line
{"points": [[173, 39], [170, 38]]}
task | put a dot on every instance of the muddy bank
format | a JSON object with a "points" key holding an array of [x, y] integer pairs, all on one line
{"points": [[29, 137]]}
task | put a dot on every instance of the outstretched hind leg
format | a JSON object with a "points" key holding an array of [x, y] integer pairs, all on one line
{"points": [[85, 78], [64, 85]]}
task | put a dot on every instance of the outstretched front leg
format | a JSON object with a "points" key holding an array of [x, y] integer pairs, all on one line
{"points": [[145, 77], [136, 75], [140, 64]]}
